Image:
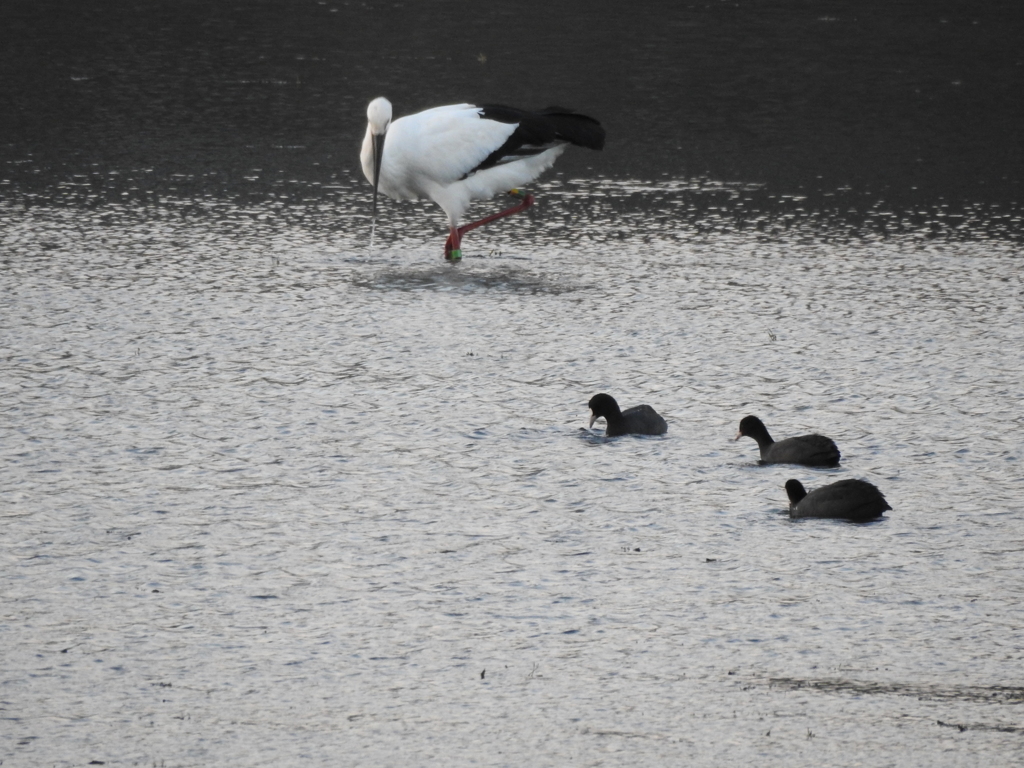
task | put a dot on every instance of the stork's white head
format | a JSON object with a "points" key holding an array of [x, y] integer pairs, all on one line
{"points": [[379, 115]]}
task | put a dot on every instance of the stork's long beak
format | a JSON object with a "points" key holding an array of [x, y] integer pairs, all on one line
{"points": [[378, 157], [738, 436], [593, 418]]}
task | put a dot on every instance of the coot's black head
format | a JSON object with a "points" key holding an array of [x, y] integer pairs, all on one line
{"points": [[795, 490], [603, 406], [751, 426]]}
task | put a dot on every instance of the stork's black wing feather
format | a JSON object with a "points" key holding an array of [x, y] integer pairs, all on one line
{"points": [[538, 131]]}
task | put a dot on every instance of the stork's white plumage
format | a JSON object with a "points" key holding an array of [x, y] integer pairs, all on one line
{"points": [[461, 153]]}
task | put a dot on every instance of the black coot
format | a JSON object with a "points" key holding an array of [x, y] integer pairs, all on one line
{"points": [[855, 500], [638, 420], [809, 450]]}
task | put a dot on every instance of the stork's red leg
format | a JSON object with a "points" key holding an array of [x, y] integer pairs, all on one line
{"points": [[453, 245]]}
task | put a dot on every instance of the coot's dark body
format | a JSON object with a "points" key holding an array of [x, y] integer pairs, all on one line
{"points": [[855, 500], [809, 450], [638, 420]]}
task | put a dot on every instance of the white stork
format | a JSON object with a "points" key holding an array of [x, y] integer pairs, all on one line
{"points": [[460, 153]]}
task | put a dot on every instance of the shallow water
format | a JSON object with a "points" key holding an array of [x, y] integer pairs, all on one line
{"points": [[271, 497]]}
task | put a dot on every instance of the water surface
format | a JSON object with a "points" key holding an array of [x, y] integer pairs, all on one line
{"points": [[273, 498]]}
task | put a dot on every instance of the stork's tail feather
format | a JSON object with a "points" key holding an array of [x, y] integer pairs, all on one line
{"points": [[581, 130]]}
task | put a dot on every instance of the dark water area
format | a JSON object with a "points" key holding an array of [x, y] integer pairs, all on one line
{"points": [[912, 107]]}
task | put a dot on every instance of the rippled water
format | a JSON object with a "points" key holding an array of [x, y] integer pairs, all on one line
{"points": [[271, 498]]}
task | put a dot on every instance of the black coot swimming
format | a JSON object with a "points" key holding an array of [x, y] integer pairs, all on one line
{"points": [[638, 420], [855, 500], [809, 450]]}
